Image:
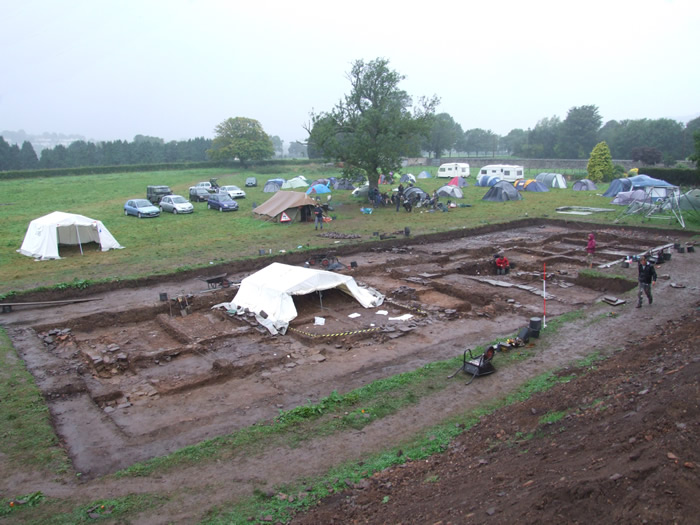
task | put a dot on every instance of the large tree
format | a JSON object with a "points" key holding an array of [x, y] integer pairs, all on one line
{"points": [[297, 150], [444, 132], [241, 138], [372, 127], [513, 142], [695, 157], [277, 145], [27, 156], [578, 133], [480, 141], [542, 140]]}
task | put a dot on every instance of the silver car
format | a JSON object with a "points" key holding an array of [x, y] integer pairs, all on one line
{"points": [[176, 204], [233, 191]]}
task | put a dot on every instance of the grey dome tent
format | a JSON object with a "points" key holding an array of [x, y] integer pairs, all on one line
{"points": [[624, 198], [343, 184], [584, 185], [617, 186], [690, 200], [362, 191], [424, 175], [273, 185], [487, 180], [407, 177], [451, 192], [502, 191], [552, 180], [415, 194]]}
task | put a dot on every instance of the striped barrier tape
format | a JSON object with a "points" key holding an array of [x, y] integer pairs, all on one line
{"points": [[341, 334]]}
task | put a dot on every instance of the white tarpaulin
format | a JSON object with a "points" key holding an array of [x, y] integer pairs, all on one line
{"points": [[46, 233], [268, 293]]}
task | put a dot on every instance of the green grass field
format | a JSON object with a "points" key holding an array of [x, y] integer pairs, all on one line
{"points": [[170, 243]]}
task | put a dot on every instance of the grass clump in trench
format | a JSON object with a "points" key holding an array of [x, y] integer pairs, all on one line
{"points": [[26, 434], [112, 510]]}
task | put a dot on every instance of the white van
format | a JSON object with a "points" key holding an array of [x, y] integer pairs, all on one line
{"points": [[453, 169], [506, 172]]}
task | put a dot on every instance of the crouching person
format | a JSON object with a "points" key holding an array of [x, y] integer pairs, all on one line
{"points": [[502, 265]]}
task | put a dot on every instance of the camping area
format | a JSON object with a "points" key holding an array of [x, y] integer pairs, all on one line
{"points": [[134, 391]]}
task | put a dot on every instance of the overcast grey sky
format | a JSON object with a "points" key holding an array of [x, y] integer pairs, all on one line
{"points": [[175, 69]]}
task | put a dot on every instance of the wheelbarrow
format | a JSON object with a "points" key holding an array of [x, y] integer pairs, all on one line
{"points": [[476, 366], [216, 281]]}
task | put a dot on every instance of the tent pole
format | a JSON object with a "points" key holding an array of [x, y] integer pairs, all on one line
{"points": [[77, 232], [544, 295]]}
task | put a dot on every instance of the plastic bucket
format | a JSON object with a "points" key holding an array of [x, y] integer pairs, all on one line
{"points": [[535, 324]]}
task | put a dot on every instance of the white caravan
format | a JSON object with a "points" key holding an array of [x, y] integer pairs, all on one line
{"points": [[453, 169], [507, 172]]}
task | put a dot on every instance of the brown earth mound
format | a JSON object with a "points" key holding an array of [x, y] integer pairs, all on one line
{"points": [[624, 451]]}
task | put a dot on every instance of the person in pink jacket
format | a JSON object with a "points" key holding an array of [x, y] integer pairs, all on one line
{"points": [[590, 250]]}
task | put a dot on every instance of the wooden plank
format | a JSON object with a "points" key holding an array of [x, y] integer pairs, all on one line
{"points": [[647, 252], [7, 307]]}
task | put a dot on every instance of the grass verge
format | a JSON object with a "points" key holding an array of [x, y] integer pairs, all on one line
{"points": [[27, 437]]}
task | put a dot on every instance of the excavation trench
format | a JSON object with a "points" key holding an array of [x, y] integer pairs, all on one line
{"points": [[130, 380]]}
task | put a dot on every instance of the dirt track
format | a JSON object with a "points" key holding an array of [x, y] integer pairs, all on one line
{"points": [[133, 373]]}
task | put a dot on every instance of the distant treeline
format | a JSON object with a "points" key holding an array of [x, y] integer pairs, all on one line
{"points": [[142, 151]]}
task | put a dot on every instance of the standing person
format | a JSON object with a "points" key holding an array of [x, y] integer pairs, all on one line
{"points": [[318, 216], [399, 197], [590, 250], [647, 278]]}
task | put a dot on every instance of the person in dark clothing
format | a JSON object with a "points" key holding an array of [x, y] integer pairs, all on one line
{"points": [[318, 217], [647, 278], [399, 196]]}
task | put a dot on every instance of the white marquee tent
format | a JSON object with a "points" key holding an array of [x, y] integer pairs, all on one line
{"points": [[46, 233], [268, 293]]}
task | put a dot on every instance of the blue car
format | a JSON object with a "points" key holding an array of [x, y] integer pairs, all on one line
{"points": [[221, 202], [140, 208]]}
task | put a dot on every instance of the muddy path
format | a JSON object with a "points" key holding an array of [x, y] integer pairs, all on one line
{"points": [[127, 379]]}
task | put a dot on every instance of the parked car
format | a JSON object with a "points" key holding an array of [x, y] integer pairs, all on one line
{"points": [[221, 202], [176, 204], [233, 191], [199, 194], [140, 208], [251, 181], [206, 185], [156, 193]]}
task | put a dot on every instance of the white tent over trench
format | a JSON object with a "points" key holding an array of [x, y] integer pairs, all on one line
{"points": [[268, 293], [46, 233]]}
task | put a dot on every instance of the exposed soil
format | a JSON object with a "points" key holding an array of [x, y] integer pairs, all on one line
{"points": [[130, 376]]}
